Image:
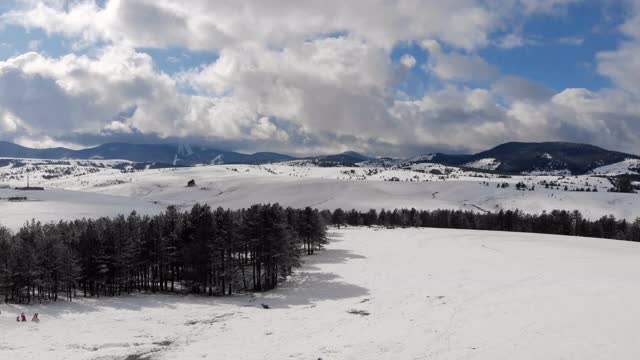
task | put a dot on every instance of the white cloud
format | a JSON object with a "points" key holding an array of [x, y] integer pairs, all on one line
{"points": [[34, 45], [515, 40], [281, 82], [334, 84], [518, 88], [457, 66], [82, 94], [9, 123], [571, 40], [216, 24], [44, 142], [462, 118], [622, 65], [408, 61]]}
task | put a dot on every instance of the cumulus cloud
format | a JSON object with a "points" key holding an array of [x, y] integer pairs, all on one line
{"points": [[216, 24], [85, 94], [408, 61], [457, 66], [303, 77], [622, 65], [521, 89]]}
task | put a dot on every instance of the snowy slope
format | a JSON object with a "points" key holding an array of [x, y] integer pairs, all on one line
{"points": [[54, 205], [424, 186], [330, 188], [430, 294], [629, 166], [483, 164]]}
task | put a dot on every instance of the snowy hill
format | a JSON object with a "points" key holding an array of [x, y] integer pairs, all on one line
{"points": [[181, 154], [551, 158], [539, 158], [628, 166], [375, 294], [423, 186], [53, 205], [484, 164]]}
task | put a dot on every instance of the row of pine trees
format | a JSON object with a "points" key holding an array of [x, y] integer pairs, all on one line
{"points": [[221, 251], [203, 251], [558, 222]]}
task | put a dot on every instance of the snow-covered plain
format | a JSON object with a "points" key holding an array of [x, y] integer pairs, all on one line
{"points": [[429, 293], [53, 205], [103, 190]]}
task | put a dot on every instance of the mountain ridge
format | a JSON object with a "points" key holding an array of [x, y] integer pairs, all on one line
{"points": [[528, 157], [510, 157]]}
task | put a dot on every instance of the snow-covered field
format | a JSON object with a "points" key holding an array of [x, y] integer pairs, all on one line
{"points": [[429, 293], [103, 190], [54, 205]]}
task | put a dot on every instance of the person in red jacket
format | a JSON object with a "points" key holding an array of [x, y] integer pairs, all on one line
{"points": [[23, 317]]}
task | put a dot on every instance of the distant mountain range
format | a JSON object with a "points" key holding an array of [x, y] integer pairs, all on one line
{"points": [[513, 157], [180, 155], [544, 157]]}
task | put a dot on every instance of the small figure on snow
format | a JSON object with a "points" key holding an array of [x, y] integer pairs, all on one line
{"points": [[18, 318], [23, 317], [35, 318]]}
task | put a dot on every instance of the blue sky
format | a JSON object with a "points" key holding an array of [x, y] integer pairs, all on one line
{"points": [[551, 57], [266, 79], [546, 59]]}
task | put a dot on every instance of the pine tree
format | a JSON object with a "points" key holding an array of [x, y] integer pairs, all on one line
{"points": [[338, 218]]}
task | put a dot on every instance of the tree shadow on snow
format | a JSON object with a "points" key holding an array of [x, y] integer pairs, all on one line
{"points": [[329, 256], [311, 285], [307, 287], [310, 288]]}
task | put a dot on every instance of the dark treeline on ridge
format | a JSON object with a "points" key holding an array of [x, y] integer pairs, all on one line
{"points": [[219, 252], [203, 251], [558, 222]]}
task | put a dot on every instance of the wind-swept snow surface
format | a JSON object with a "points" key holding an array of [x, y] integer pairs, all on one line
{"points": [[362, 189], [375, 294], [55, 205], [422, 186]]}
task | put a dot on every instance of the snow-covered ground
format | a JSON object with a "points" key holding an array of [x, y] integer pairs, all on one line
{"points": [[363, 189], [484, 164], [429, 294], [423, 186], [54, 205], [624, 167]]}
